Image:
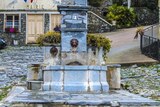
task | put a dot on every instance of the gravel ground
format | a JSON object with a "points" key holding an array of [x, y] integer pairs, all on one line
{"points": [[143, 80]]}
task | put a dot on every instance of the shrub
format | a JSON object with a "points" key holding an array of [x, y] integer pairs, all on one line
{"points": [[123, 16], [94, 40], [49, 37], [99, 41]]}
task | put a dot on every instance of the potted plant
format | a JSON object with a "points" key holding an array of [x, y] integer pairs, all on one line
{"points": [[11, 30], [139, 31]]}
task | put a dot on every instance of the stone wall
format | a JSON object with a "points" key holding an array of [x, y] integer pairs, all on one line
{"points": [[1, 23], [97, 24], [46, 23], [22, 34], [146, 16]]}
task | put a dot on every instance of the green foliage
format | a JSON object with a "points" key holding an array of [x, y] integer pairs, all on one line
{"points": [[49, 37], [99, 41], [123, 16], [95, 3], [4, 92], [94, 40]]}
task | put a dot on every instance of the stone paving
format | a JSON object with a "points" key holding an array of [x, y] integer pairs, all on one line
{"points": [[14, 61], [113, 98]]}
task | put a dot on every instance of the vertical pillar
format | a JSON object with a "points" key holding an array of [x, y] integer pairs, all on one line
{"points": [[1, 23], [114, 77], [129, 3], [46, 23], [22, 38]]}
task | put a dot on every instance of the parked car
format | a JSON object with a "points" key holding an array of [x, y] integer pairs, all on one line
{"points": [[2, 43]]}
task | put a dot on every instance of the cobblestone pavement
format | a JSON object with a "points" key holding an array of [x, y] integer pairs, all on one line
{"points": [[142, 80], [14, 61]]}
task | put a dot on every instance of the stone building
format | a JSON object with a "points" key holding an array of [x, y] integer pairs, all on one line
{"points": [[22, 22]]}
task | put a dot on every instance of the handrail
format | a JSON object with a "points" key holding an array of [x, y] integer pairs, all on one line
{"points": [[100, 18], [151, 26], [151, 29], [150, 36]]}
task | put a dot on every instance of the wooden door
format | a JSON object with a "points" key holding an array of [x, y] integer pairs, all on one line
{"points": [[55, 21], [35, 27]]}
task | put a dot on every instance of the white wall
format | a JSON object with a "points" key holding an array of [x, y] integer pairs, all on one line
{"points": [[36, 4]]}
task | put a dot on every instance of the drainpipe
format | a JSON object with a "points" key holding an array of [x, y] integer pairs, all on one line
{"points": [[129, 3]]}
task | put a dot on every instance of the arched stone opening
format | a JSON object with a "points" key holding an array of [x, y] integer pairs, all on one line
{"points": [[74, 63]]}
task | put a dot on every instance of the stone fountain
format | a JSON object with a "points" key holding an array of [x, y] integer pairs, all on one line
{"points": [[75, 67], [72, 74]]}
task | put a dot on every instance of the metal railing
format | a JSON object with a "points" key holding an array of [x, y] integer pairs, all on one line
{"points": [[150, 44], [152, 31], [104, 26]]}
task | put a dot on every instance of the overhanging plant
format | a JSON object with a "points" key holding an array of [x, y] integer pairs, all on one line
{"points": [[93, 40]]}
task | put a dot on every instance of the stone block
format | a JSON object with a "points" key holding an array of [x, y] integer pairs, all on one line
{"points": [[56, 86], [75, 68], [75, 2], [34, 72], [76, 87], [80, 36], [47, 75], [57, 81], [94, 80], [81, 2], [56, 68], [75, 80], [46, 86], [34, 85], [103, 79]]}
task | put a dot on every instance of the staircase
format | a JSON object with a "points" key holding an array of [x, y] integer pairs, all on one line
{"points": [[97, 24], [150, 43]]}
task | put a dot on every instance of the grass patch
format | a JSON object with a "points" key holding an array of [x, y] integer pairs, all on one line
{"points": [[4, 92]]}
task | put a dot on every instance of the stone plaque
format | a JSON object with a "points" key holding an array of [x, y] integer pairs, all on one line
{"points": [[80, 36]]}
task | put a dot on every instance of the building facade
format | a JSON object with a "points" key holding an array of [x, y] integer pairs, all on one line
{"points": [[22, 22]]}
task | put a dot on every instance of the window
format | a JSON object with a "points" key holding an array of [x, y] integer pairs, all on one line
{"points": [[12, 22]]}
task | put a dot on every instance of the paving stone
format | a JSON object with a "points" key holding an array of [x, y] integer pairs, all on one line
{"points": [[119, 97], [14, 61]]}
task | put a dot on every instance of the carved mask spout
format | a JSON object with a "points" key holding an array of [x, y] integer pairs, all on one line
{"points": [[74, 43]]}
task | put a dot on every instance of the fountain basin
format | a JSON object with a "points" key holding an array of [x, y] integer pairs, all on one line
{"points": [[75, 79]]}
